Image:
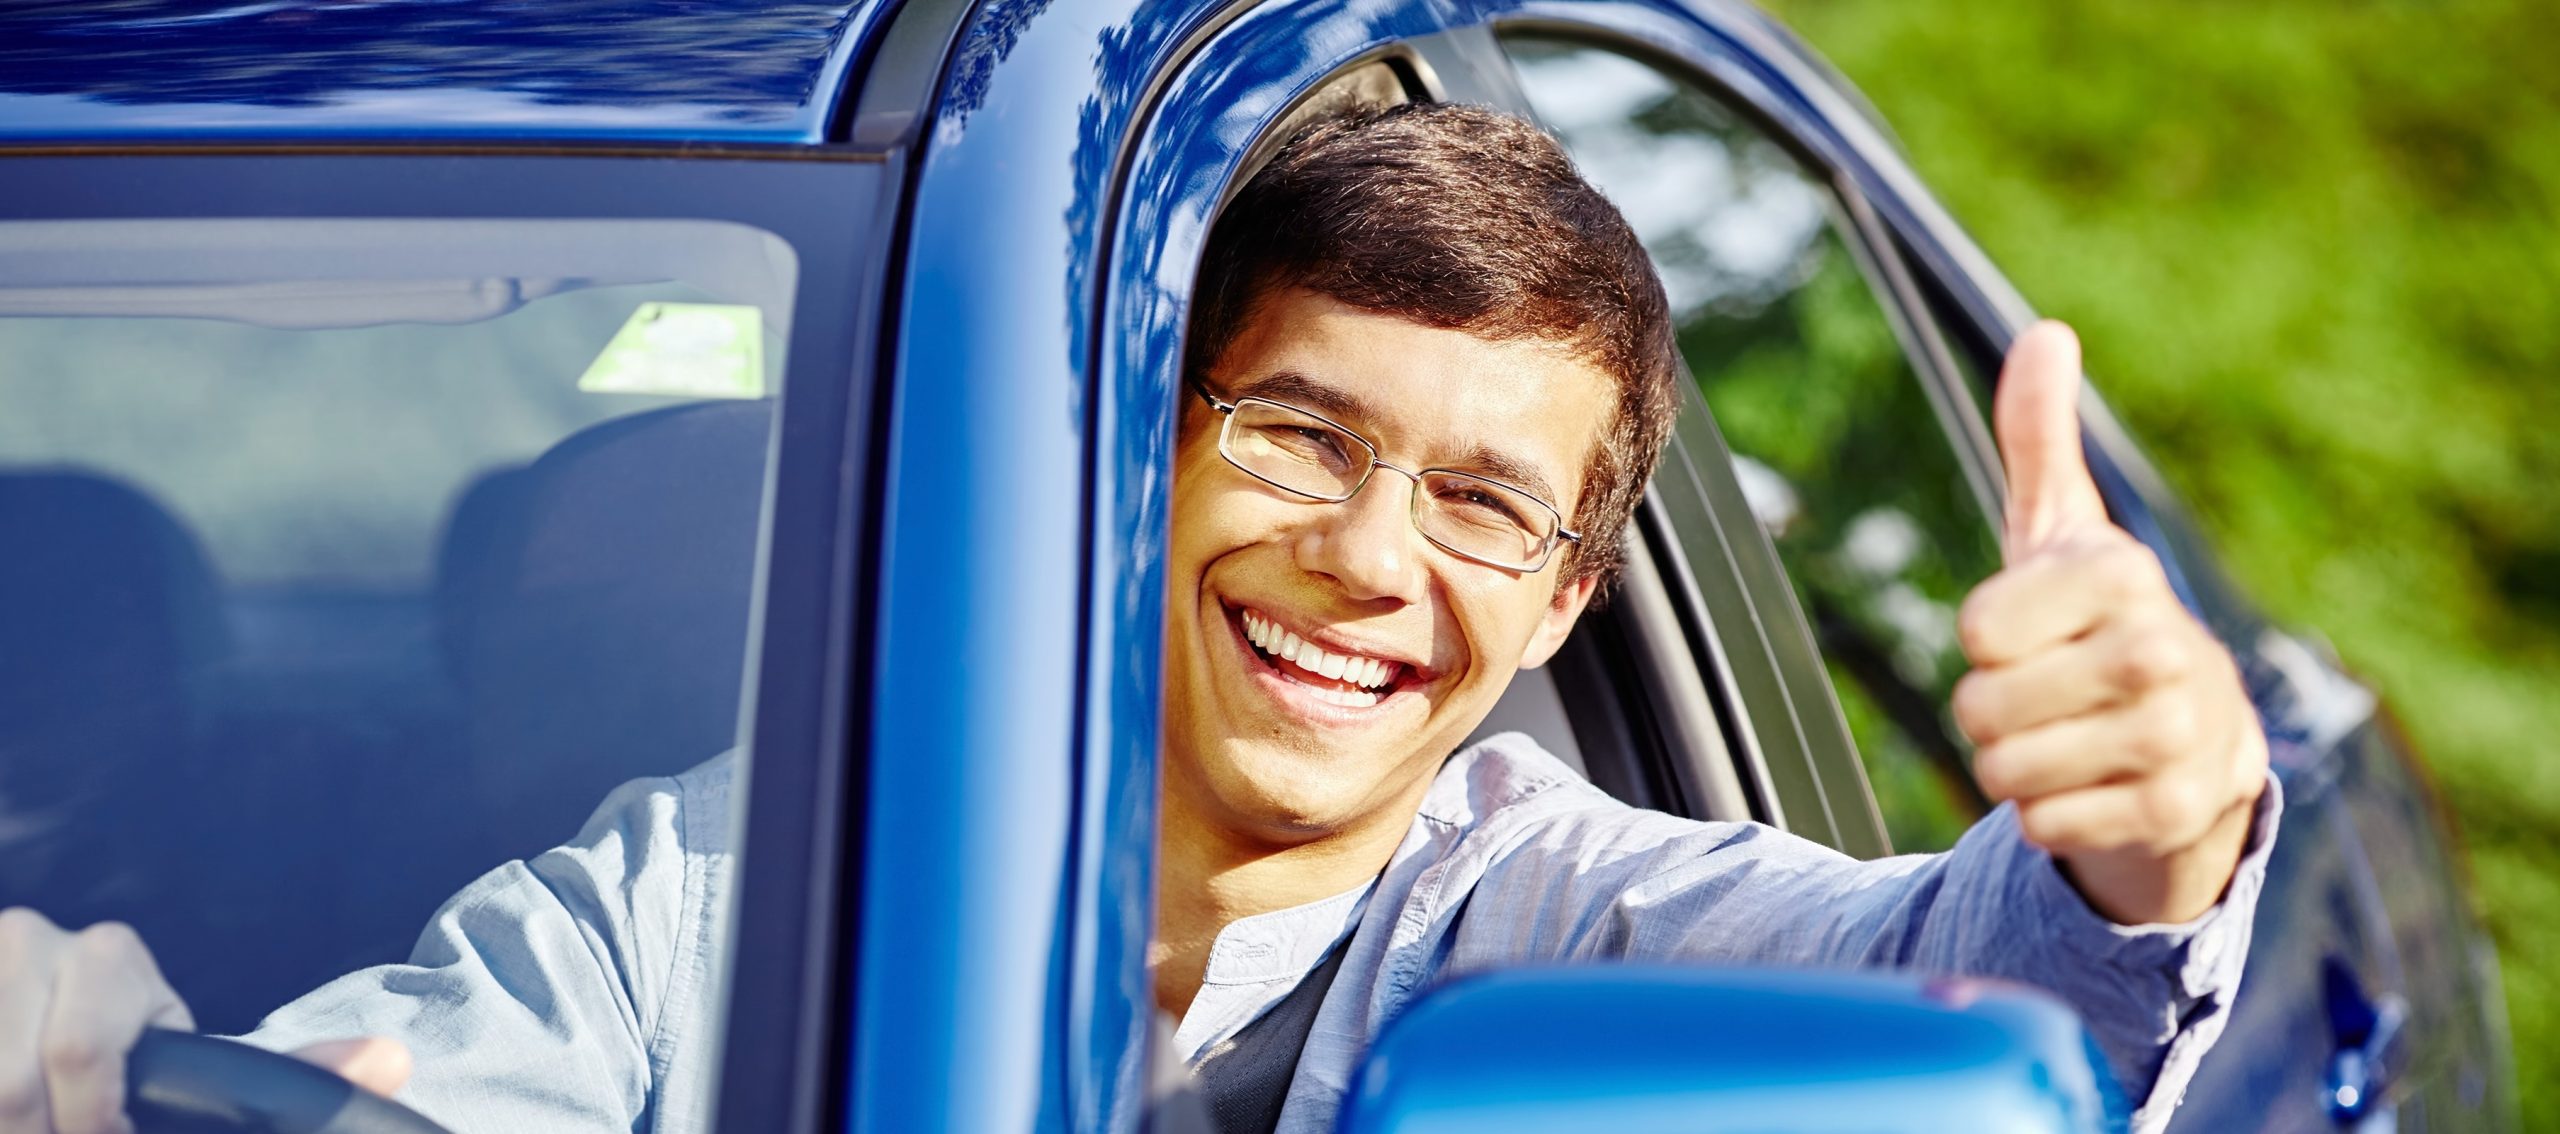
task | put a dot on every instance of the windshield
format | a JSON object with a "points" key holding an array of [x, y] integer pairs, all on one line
{"points": [[333, 544]]}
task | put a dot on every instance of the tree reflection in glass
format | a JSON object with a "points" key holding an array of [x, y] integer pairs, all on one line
{"points": [[1834, 440]]}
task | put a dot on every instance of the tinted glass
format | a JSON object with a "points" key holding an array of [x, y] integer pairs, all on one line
{"points": [[348, 559], [1834, 438]]}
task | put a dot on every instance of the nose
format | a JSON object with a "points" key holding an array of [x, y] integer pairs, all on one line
{"points": [[1368, 543]]}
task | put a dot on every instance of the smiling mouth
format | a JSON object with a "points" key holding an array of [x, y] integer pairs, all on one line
{"points": [[1347, 680]]}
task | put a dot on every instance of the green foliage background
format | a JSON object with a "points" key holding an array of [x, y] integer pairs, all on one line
{"points": [[2314, 249]]}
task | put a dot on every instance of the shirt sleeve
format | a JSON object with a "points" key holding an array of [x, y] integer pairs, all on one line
{"points": [[1621, 883], [533, 999]]}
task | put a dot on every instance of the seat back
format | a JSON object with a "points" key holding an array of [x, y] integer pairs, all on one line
{"points": [[1533, 705], [598, 613], [108, 620]]}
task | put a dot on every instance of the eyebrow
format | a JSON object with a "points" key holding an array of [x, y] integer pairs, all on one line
{"points": [[1333, 401], [1305, 390], [1498, 466]]}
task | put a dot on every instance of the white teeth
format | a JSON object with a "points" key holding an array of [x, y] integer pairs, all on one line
{"points": [[1369, 673]]}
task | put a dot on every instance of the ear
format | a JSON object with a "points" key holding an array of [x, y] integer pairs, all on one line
{"points": [[1558, 621]]}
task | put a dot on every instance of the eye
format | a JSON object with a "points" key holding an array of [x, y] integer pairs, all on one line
{"points": [[1317, 437], [1481, 503], [1311, 443]]}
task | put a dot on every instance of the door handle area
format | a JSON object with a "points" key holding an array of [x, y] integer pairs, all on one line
{"points": [[2371, 1048]]}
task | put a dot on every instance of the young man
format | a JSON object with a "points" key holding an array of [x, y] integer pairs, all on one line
{"points": [[1430, 373]]}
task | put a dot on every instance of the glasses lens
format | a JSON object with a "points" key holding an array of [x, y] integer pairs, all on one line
{"points": [[1483, 520], [1295, 450]]}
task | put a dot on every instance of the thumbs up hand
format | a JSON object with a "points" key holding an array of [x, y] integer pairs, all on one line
{"points": [[2108, 713]]}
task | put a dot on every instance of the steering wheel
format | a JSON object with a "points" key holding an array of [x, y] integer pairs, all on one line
{"points": [[178, 1081]]}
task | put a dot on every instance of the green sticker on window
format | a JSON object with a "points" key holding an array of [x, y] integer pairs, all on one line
{"points": [[685, 350]]}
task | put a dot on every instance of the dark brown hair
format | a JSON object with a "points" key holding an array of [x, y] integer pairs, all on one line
{"points": [[1466, 218]]}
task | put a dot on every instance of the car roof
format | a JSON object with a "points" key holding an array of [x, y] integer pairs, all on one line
{"points": [[714, 71]]}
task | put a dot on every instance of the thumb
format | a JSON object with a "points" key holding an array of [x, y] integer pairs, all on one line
{"points": [[2036, 413], [374, 1063]]}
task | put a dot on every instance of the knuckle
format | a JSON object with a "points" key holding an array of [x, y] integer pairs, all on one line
{"points": [[2167, 731], [2179, 726], [2170, 805], [1992, 772], [1977, 622], [73, 1052], [21, 927], [2152, 656], [2041, 826], [2033, 826], [1975, 705], [2129, 570], [107, 942]]}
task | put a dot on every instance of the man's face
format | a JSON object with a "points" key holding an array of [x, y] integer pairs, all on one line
{"points": [[1267, 751]]}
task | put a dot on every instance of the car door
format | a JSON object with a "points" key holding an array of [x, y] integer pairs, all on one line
{"points": [[1861, 447], [2414, 1032], [1072, 157], [2413, 1028]]}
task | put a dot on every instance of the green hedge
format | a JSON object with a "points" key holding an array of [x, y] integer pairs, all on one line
{"points": [[2314, 249]]}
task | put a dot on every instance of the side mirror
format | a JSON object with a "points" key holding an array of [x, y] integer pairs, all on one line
{"points": [[1635, 1049]]}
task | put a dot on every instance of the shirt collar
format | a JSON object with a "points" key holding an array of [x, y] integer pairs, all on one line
{"points": [[1285, 944]]}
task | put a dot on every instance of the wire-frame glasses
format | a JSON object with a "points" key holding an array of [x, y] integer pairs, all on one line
{"points": [[1307, 454]]}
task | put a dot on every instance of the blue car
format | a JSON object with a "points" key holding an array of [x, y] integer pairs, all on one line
{"points": [[419, 416]]}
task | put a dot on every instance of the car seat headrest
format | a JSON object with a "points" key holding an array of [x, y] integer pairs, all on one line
{"points": [[601, 599], [108, 617]]}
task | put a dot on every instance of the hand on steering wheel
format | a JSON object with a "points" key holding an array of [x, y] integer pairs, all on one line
{"points": [[177, 1081], [91, 1034]]}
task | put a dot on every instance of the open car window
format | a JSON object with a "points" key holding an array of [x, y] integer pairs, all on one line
{"points": [[1841, 451], [348, 559]]}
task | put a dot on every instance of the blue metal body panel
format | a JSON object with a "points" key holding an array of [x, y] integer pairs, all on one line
{"points": [[416, 70], [1620, 1048]]}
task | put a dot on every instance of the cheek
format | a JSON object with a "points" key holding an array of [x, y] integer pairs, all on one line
{"points": [[1195, 488], [1496, 619], [1195, 463], [1216, 509]]}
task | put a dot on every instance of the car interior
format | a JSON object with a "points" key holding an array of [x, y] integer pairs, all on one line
{"points": [[272, 703], [590, 624]]}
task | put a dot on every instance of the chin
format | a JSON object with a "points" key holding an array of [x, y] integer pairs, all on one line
{"points": [[1287, 794]]}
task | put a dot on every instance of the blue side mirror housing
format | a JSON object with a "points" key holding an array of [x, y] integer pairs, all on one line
{"points": [[1633, 1049]]}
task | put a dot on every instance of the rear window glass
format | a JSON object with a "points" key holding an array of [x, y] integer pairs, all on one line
{"points": [[347, 559]]}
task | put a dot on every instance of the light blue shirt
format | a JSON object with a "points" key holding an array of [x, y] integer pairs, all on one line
{"points": [[579, 991]]}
